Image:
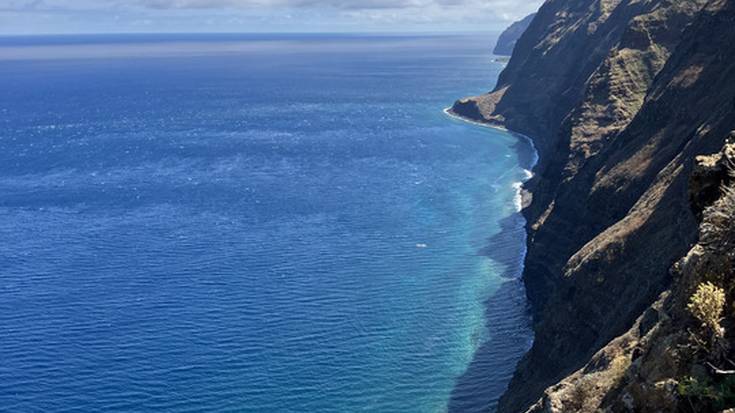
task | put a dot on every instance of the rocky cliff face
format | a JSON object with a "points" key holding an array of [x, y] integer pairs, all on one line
{"points": [[666, 362], [620, 97], [508, 39]]}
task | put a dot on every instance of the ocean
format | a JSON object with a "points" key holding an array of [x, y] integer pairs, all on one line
{"points": [[256, 223]]}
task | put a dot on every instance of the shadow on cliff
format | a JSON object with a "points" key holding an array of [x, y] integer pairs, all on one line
{"points": [[508, 324]]}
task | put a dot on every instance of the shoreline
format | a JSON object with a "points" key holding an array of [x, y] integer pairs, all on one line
{"points": [[525, 196], [534, 162], [514, 285]]}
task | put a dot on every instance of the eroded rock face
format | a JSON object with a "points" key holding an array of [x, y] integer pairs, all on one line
{"points": [[620, 96], [710, 173]]}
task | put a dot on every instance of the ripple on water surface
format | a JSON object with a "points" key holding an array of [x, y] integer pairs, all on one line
{"points": [[288, 228]]}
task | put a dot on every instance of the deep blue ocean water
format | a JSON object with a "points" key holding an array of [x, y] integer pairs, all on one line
{"points": [[257, 224]]}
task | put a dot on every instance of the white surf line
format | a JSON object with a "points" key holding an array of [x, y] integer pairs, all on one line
{"points": [[448, 112]]}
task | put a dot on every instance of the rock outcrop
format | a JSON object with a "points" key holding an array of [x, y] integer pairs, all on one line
{"points": [[620, 97], [508, 39]]}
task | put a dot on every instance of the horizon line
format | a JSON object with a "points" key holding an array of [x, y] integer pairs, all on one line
{"points": [[366, 32]]}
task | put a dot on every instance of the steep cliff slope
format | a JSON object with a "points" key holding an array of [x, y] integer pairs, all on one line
{"points": [[620, 96], [508, 39], [668, 361]]}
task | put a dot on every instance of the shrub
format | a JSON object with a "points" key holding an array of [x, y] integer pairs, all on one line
{"points": [[706, 305], [708, 395]]}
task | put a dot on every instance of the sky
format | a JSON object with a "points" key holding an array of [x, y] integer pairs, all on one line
{"points": [[19, 17]]}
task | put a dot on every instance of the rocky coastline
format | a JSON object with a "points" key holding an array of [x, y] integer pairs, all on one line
{"points": [[620, 98]]}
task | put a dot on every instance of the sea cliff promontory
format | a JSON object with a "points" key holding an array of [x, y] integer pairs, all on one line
{"points": [[509, 37]]}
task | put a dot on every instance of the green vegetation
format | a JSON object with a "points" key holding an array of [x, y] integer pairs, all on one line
{"points": [[719, 395]]}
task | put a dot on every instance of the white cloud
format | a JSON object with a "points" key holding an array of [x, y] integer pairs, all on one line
{"points": [[501, 6], [309, 15]]}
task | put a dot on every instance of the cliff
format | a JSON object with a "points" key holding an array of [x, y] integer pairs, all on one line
{"points": [[620, 97], [667, 361], [508, 39]]}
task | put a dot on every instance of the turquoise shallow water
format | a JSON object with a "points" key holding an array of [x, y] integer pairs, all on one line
{"points": [[255, 223]]}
